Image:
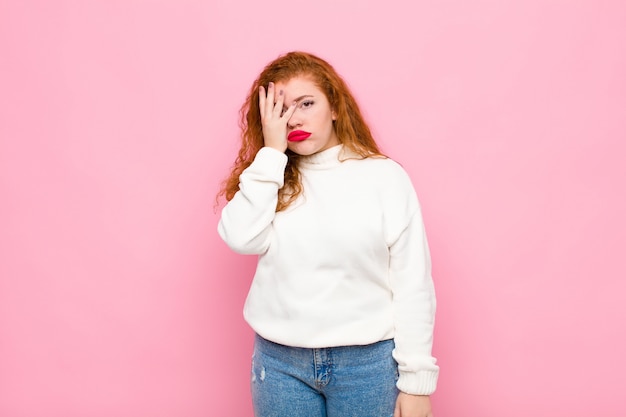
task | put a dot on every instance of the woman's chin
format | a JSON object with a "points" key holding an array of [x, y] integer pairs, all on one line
{"points": [[304, 148]]}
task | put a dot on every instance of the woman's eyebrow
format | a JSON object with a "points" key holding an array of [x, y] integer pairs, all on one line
{"points": [[304, 96], [298, 99]]}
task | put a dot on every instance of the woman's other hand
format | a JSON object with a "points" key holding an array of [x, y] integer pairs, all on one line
{"points": [[408, 405]]}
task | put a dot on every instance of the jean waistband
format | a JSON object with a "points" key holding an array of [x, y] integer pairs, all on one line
{"points": [[353, 353]]}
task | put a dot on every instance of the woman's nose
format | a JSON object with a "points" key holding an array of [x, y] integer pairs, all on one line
{"points": [[294, 121]]}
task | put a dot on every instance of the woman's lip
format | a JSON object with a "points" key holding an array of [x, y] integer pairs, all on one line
{"points": [[298, 135]]}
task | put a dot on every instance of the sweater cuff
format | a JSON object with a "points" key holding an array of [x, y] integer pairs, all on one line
{"points": [[418, 383], [271, 161]]}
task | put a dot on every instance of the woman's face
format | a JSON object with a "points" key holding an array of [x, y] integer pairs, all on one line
{"points": [[310, 128]]}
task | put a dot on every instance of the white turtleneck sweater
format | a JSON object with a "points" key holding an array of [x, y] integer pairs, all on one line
{"points": [[346, 264]]}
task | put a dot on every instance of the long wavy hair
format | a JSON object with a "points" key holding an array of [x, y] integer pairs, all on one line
{"points": [[350, 126]]}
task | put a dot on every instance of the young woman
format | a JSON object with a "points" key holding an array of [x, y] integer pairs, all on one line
{"points": [[342, 301]]}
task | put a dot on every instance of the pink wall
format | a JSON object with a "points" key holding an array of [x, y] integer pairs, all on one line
{"points": [[118, 120]]}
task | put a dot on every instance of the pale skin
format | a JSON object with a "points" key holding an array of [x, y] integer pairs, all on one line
{"points": [[278, 120], [274, 123], [408, 405], [308, 111]]}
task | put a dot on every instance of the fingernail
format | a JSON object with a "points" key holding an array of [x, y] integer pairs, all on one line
{"points": [[271, 84], [280, 93]]}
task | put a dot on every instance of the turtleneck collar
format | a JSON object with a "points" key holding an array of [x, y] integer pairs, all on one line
{"points": [[325, 159]]}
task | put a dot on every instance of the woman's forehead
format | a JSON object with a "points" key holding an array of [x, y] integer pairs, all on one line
{"points": [[297, 87]]}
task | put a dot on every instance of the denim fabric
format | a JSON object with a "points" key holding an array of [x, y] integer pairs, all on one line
{"points": [[345, 381]]}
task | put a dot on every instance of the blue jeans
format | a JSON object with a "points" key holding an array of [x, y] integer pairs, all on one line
{"points": [[345, 381]]}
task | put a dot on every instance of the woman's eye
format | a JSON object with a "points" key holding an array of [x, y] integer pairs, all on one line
{"points": [[303, 105]]}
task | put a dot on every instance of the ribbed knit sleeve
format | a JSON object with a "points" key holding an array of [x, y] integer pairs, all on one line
{"points": [[246, 220], [413, 291]]}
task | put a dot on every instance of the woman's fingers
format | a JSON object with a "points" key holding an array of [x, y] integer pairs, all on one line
{"points": [[270, 103], [267, 106], [287, 114], [269, 100], [278, 107], [262, 101], [274, 116]]}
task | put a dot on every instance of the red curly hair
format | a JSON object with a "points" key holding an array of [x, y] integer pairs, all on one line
{"points": [[350, 126]]}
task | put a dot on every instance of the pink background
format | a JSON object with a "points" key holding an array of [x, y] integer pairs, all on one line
{"points": [[118, 119]]}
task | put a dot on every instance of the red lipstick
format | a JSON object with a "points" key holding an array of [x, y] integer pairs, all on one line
{"points": [[298, 136]]}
